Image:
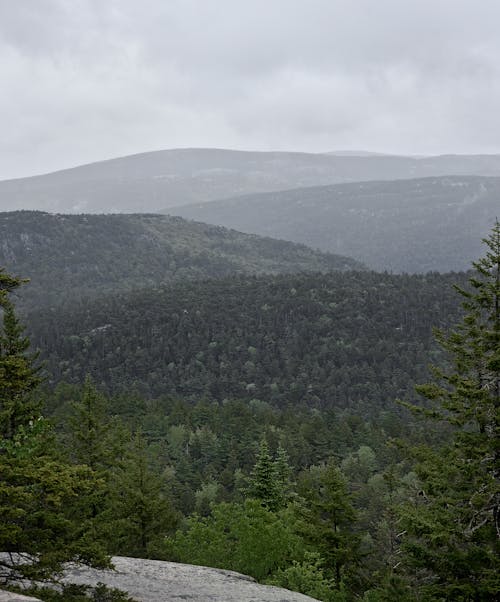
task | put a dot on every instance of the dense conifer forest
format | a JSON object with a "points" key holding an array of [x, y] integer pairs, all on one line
{"points": [[347, 340], [266, 425], [73, 256]]}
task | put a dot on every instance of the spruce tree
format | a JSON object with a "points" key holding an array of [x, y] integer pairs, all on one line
{"points": [[139, 513], [88, 435], [452, 529], [283, 473], [41, 526], [327, 516], [264, 484], [19, 375]]}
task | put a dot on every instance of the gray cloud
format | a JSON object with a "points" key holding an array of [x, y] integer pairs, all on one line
{"points": [[84, 80]]}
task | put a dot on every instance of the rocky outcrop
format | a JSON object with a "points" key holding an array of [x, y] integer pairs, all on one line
{"points": [[12, 597], [159, 581]]}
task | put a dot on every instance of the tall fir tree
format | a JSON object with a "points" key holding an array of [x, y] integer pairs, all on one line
{"points": [[326, 518], [19, 375], [452, 526], [140, 514], [283, 473], [89, 426], [41, 527], [264, 484]]}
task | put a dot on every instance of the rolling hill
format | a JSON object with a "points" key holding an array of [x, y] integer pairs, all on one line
{"points": [[155, 181], [353, 340], [86, 255], [419, 225]]}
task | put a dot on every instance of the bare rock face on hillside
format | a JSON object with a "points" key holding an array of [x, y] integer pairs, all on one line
{"points": [[159, 581]]}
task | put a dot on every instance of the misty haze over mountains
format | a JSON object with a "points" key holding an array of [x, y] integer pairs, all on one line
{"points": [[156, 181], [420, 225], [396, 213]]}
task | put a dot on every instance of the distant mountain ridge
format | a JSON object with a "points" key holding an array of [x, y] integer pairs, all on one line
{"points": [[418, 225], [87, 255], [154, 181]]}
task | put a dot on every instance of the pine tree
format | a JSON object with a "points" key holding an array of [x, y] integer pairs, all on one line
{"points": [[453, 530]]}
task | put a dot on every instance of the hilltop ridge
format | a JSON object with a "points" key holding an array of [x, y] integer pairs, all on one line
{"points": [[154, 181]]}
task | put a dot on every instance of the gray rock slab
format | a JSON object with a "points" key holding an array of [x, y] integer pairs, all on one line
{"points": [[11, 597], [159, 581]]}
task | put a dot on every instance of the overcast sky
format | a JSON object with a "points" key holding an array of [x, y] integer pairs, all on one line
{"points": [[84, 80]]}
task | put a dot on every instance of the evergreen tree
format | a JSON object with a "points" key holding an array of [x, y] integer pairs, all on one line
{"points": [[264, 485], [41, 526], [283, 473], [93, 439], [452, 526], [327, 516], [139, 514], [18, 373], [89, 429]]}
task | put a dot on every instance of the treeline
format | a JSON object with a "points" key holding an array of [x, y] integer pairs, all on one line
{"points": [[346, 340]]}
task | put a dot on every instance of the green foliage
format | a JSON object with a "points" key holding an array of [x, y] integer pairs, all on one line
{"points": [[18, 374], [297, 363], [263, 482], [327, 516], [78, 593], [205, 497], [247, 538], [41, 526], [452, 525], [283, 472], [269, 481], [38, 498], [344, 340], [89, 429], [139, 514], [308, 577], [392, 588]]}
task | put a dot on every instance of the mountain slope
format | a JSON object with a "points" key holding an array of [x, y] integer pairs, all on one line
{"points": [[407, 225], [343, 339], [154, 181], [68, 255]]}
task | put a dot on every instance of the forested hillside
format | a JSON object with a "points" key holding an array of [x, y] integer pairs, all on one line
{"points": [[252, 424], [354, 339], [402, 226], [68, 256], [154, 181]]}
